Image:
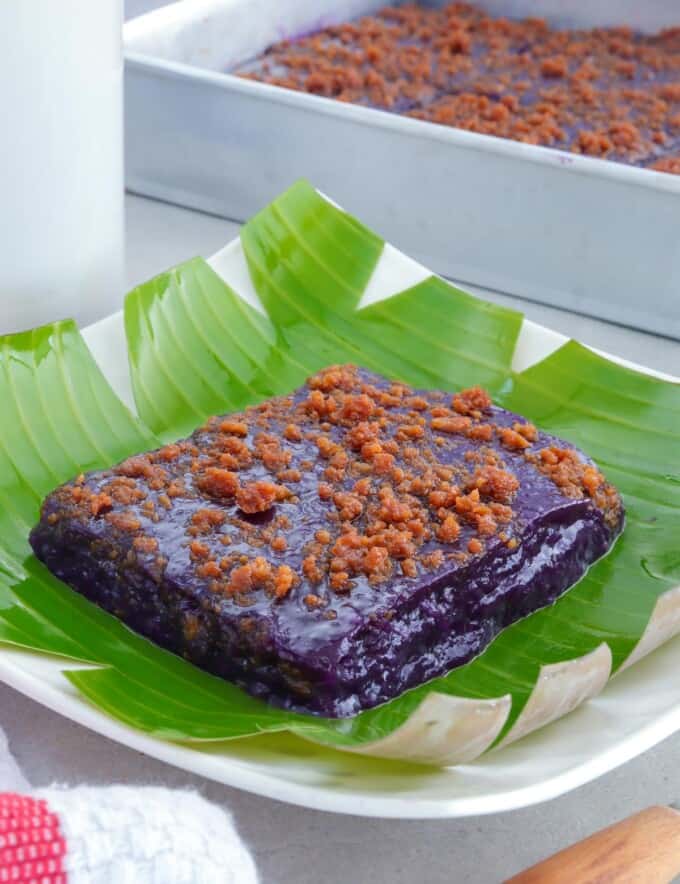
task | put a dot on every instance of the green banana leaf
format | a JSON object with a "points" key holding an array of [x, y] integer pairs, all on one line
{"points": [[197, 348]]}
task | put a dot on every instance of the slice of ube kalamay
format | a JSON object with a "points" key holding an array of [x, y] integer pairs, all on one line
{"points": [[329, 549]]}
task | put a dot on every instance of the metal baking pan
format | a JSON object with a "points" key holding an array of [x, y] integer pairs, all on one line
{"points": [[583, 234]]}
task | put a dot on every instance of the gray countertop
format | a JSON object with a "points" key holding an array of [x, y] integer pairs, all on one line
{"points": [[297, 846]]}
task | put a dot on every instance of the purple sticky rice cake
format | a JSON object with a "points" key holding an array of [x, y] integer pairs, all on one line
{"points": [[329, 549]]}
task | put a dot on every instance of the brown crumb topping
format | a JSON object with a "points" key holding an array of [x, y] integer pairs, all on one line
{"points": [[100, 503], [577, 479], [497, 484], [204, 520], [219, 483], [399, 483], [256, 497], [513, 439], [124, 521], [604, 92], [667, 164], [145, 544]]}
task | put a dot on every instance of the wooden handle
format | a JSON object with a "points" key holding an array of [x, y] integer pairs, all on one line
{"points": [[644, 849]]}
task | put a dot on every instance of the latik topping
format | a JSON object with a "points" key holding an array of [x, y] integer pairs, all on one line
{"points": [[605, 92], [406, 481]]}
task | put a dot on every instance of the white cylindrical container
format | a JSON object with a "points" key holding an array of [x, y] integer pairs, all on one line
{"points": [[61, 161]]}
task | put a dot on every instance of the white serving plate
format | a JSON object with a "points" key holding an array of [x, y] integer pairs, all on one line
{"points": [[640, 707], [583, 234]]}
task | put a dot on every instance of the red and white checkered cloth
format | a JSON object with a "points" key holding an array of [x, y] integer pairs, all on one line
{"points": [[114, 835], [32, 846]]}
